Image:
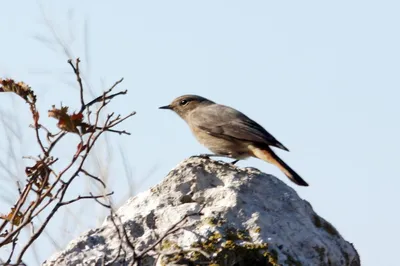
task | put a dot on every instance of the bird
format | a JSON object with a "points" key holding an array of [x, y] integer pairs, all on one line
{"points": [[228, 132]]}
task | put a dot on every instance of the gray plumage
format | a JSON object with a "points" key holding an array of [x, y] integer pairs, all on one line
{"points": [[225, 122], [228, 132]]}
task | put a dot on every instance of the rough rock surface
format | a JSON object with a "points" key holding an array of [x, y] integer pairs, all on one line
{"points": [[234, 217]]}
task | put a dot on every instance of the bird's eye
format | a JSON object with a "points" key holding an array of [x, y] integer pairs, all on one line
{"points": [[183, 102]]}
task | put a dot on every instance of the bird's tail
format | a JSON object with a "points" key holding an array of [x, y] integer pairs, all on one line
{"points": [[268, 155]]}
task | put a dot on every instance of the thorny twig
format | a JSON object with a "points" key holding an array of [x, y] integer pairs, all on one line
{"points": [[47, 187], [85, 197], [100, 98], [169, 231], [78, 77], [94, 177]]}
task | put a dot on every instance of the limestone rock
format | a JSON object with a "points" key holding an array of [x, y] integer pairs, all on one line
{"points": [[233, 216]]}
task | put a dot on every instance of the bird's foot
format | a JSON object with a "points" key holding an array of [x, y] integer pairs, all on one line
{"points": [[204, 156], [215, 155], [208, 156]]}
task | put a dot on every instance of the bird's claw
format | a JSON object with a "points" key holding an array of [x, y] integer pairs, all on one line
{"points": [[204, 156]]}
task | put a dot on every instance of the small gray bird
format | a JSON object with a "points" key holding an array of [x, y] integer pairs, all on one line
{"points": [[229, 133]]}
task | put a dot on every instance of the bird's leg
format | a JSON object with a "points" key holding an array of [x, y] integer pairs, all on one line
{"points": [[215, 155], [205, 156]]}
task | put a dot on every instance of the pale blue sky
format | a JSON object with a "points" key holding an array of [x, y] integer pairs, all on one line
{"points": [[321, 76]]}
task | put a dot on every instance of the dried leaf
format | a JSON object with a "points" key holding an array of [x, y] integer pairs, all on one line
{"points": [[66, 122], [19, 88], [39, 175], [17, 219], [58, 113], [80, 148], [77, 117]]}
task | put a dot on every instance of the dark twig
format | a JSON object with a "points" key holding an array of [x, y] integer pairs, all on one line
{"points": [[120, 247], [39, 140], [120, 132], [116, 122], [78, 78], [170, 230], [102, 204], [45, 189], [14, 244], [129, 243], [85, 197], [53, 144], [94, 177], [100, 98]]}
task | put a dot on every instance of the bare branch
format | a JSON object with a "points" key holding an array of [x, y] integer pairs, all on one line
{"points": [[85, 197], [78, 78], [45, 189], [94, 177], [100, 98], [170, 230]]}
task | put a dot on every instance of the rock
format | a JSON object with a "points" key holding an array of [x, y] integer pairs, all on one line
{"points": [[229, 216]]}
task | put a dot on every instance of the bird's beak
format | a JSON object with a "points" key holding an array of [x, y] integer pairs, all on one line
{"points": [[165, 107]]}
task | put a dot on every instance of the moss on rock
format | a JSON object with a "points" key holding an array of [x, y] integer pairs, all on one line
{"points": [[232, 247], [318, 222]]}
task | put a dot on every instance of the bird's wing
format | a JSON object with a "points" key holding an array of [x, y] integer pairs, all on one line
{"points": [[226, 122]]}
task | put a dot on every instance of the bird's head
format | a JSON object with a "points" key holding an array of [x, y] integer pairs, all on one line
{"points": [[184, 105]]}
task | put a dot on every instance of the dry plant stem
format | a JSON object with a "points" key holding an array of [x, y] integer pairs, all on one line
{"points": [[94, 177], [170, 230], [129, 243], [36, 125], [29, 215], [32, 207], [116, 122], [120, 132], [121, 240], [120, 247], [85, 197], [78, 77], [109, 97], [28, 212], [90, 143], [53, 144], [47, 203], [54, 189], [18, 205], [63, 191], [14, 244], [40, 141], [101, 203], [49, 135]]}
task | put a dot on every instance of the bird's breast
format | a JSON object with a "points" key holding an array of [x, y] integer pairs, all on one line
{"points": [[221, 146]]}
